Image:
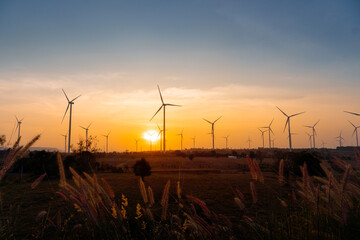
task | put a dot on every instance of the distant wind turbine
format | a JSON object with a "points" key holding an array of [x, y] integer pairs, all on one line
{"points": [[181, 139], [249, 141], [356, 133], [136, 144], [288, 125], [70, 103], [107, 141], [194, 138], [18, 126], [161, 137], [64, 135], [226, 141], [340, 139], [313, 133], [310, 136], [150, 139], [86, 135], [212, 130], [270, 131], [163, 105], [262, 136]]}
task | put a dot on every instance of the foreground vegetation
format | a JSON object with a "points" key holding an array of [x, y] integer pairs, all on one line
{"points": [[321, 203]]}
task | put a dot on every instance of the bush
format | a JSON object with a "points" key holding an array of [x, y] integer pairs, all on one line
{"points": [[297, 159], [142, 168]]}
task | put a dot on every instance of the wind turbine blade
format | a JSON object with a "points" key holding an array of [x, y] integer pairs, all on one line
{"points": [[357, 114], [308, 126], [286, 124], [217, 119], [271, 131], [316, 123], [158, 127], [90, 125], [297, 114], [65, 112], [76, 98], [354, 132], [82, 127], [207, 121], [160, 95], [271, 122], [174, 105], [21, 119], [156, 112], [109, 133], [65, 95], [17, 119], [351, 124], [282, 111]]}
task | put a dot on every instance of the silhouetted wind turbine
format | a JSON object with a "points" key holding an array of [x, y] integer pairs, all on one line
{"points": [[340, 138], [86, 135], [288, 124], [212, 130], [163, 105], [226, 141], [262, 137], [107, 141], [194, 138], [310, 136], [19, 122], [70, 103], [249, 141], [270, 131], [355, 132], [181, 139], [314, 133], [160, 131], [64, 135], [273, 142], [136, 144], [150, 139], [323, 144]]}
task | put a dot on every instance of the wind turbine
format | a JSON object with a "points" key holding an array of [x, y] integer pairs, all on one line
{"points": [[323, 144], [70, 103], [288, 124], [161, 137], [181, 139], [19, 122], [273, 142], [212, 130], [314, 133], [249, 141], [194, 138], [310, 136], [107, 141], [136, 144], [270, 131], [86, 135], [357, 114], [64, 135], [355, 132], [340, 138], [262, 136], [226, 141], [150, 139], [163, 105]]}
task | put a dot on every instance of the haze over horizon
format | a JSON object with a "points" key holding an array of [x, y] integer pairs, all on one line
{"points": [[238, 59]]}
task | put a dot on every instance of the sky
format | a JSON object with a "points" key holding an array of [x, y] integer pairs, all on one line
{"points": [[235, 59]]}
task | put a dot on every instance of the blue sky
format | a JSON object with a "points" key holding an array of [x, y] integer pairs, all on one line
{"points": [[258, 53]]}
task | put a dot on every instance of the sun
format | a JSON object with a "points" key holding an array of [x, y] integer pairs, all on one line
{"points": [[151, 135]]}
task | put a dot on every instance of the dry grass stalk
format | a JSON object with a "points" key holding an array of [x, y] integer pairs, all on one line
{"points": [[61, 169], [281, 171], [151, 196], [164, 200], [253, 192], [37, 181], [143, 191]]}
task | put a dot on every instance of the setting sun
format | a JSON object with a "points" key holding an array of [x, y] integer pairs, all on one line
{"points": [[151, 135]]}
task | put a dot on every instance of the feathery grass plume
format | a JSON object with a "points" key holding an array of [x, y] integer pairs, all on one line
{"points": [[199, 202], [339, 163], [178, 190], [108, 188], [37, 181], [239, 203], [357, 155], [241, 195], [164, 200], [143, 191], [258, 172], [283, 203], [61, 169], [15, 153], [40, 215], [281, 171], [251, 168], [151, 196], [253, 192], [346, 176], [294, 197]]}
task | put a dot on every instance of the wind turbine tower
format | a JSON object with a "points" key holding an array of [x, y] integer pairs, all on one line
{"points": [[136, 144], [70, 103], [64, 135], [270, 131], [288, 125], [340, 139], [310, 136], [86, 136], [313, 133], [226, 141], [249, 141], [181, 139], [262, 137], [212, 131], [163, 105]]}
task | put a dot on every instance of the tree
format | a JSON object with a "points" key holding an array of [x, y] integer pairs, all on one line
{"points": [[2, 140], [142, 168], [91, 143]]}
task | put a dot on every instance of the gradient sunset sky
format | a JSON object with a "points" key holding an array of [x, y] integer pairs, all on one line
{"points": [[238, 59]]}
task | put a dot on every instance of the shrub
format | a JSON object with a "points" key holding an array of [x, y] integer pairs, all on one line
{"points": [[142, 168]]}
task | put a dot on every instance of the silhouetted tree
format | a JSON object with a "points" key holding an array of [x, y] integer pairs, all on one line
{"points": [[2, 140], [142, 168]]}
